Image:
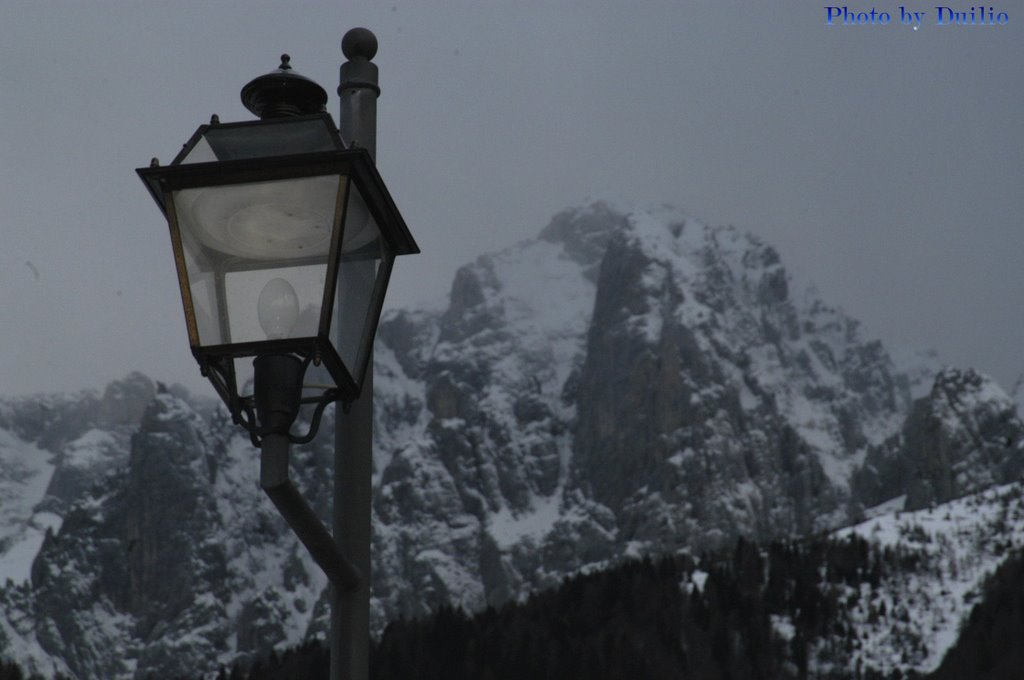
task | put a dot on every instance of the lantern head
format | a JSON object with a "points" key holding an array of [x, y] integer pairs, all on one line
{"points": [[283, 241]]}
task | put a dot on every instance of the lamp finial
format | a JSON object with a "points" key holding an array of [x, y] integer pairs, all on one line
{"points": [[359, 43]]}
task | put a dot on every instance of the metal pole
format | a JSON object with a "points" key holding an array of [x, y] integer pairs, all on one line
{"points": [[353, 443], [278, 394]]}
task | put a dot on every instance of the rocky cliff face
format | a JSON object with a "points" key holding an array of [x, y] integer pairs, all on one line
{"points": [[130, 566], [54, 448], [624, 383], [964, 436], [174, 562]]}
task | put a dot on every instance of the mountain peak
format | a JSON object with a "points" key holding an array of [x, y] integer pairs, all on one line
{"points": [[584, 231]]}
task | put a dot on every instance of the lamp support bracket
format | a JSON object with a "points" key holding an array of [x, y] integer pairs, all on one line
{"points": [[278, 397], [275, 482]]}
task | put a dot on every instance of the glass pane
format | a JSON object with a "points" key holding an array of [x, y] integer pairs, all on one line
{"points": [[281, 219], [255, 304], [274, 303], [202, 152], [232, 142], [202, 287], [256, 257], [204, 303], [363, 256]]}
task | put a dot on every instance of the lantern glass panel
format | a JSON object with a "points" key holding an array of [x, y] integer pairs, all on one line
{"points": [[261, 140], [256, 257], [363, 267], [274, 220]]}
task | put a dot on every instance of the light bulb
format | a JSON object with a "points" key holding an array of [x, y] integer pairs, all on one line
{"points": [[278, 308]]}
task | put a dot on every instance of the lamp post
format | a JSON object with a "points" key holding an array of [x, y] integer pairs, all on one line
{"points": [[284, 236]]}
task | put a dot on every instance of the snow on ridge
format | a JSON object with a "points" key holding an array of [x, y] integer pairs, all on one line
{"points": [[920, 367], [670, 236], [25, 473], [89, 449], [508, 529], [395, 387], [22, 645], [956, 546], [987, 390], [551, 325]]}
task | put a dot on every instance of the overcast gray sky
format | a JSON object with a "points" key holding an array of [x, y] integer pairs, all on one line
{"points": [[885, 164]]}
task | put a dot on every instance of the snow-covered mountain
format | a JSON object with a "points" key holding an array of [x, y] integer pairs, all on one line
{"points": [[622, 384]]}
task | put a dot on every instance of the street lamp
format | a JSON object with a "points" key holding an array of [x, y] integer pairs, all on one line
{"points": [[273, 222], [284, 237]]}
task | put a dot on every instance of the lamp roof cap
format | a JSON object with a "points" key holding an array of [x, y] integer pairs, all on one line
{"points": [[283, 93]]}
